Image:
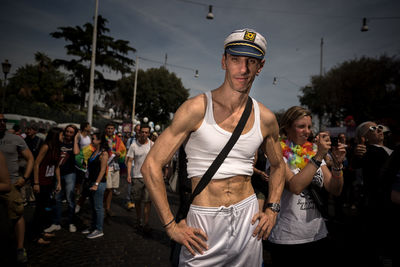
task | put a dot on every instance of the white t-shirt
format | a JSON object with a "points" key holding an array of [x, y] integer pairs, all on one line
{"points": [[299, 221], [84, 141], [138, 152]]}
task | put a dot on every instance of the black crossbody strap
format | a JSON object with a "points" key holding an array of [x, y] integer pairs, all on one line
{"points": [[224, 152]]}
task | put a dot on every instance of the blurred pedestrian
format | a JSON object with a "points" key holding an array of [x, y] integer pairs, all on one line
{"points": [[97, 170], [118, 153], [66, 172], [135, 134], [82, 140], [45, 184], [11, 146], [137, 153], [371, 156]]}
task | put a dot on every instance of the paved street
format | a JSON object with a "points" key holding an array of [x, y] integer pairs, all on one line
{"points": [[123, 245]]}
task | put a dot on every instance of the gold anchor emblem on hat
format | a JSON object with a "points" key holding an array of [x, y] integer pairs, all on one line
{"points": [[249, 36]]}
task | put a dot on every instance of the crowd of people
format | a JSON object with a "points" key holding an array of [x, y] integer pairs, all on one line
{"points": [[274, 185], [69, 166]]}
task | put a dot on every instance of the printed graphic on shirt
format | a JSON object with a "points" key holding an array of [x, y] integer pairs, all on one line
{"points": [[306, 201]]}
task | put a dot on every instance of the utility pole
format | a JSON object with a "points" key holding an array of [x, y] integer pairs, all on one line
{"points": [[320, 75], [134, 91], [322, 50], [92, 66]]}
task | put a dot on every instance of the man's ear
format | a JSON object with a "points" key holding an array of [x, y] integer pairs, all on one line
{"points": [[261, 66], [223, 62]]}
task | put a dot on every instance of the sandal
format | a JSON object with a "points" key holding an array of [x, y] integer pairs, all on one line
{"points": [[41, 241], [49, 235]]}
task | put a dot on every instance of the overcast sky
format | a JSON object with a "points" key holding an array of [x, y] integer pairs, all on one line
{"points": [[179, 28]]}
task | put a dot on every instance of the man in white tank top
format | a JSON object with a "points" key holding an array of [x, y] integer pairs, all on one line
{"points": [[224, 226]]}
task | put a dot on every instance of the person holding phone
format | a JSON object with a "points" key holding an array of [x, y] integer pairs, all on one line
{"points": [[370, 156], [299, 237]]}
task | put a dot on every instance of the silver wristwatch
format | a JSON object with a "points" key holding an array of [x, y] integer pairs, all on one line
{"points": [[96, 183], [275, 207]]}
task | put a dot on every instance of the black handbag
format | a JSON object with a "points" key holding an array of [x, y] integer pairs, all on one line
{"points": [[316, 195], [185, 206]]}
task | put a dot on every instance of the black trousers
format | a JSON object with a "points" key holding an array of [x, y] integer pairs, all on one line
{"points": [[317, 253], [42, 217]]}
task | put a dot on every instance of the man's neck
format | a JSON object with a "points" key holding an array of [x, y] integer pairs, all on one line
{"points": [[143, 141], [84, 133], [66, 141], [229, 98]]}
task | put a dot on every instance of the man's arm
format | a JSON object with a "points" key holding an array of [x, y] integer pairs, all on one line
{"points": [[276, 182], [129, 160], [39, 159], [187, 119], [27, 154], [5, 183]]}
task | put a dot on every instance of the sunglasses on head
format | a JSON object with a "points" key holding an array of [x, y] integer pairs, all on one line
{"points": [[4, 120], [374, 128]]}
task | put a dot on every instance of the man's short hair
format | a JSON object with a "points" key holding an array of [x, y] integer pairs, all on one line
{"points": [[34, 126], [83, 125], [144, 126], [110, 124], [16, 127]]}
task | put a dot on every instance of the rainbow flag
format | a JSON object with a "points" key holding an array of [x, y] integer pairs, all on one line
{"points": [[81, 159]]}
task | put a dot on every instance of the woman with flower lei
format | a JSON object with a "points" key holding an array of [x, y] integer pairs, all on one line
{"points": [[300, 227]]}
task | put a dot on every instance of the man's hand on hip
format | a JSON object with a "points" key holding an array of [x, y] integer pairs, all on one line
{"points": [[192, 238], [266, 220]]}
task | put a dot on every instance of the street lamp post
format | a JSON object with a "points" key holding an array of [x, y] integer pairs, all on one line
{"points": [[6, 69], [196, 75]]}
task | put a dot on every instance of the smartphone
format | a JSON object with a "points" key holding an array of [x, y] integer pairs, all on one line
{"points": [[334, 141]]}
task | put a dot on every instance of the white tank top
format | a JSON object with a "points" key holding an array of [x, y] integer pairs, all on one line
{"points": [[206, 143]]}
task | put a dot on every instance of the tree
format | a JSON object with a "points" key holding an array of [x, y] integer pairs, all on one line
{"points": [[367, 88], [110, 54], [159, 93], [41, 82]]}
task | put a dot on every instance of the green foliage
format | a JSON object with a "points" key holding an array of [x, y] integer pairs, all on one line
{"points": [[158, 94], [18, 105], [41, 82], [110, 54], [367, 88]]}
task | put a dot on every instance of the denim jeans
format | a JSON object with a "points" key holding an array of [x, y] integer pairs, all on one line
{"points": [[67, 188], [96, 200]]}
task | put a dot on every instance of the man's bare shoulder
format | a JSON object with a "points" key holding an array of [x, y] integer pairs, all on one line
{"points": [[193, 108], [191, 113], [267, 116]]}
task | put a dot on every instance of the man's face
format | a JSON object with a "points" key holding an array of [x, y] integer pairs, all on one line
{"points": [[137, 130], [3, 126], [31, 132], [69, 133], [241, 71], [110, 130], [375, 134], [88, 128], [144, 134]]}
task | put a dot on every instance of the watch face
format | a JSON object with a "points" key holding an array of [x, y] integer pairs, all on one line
{"points": [[274, 207]]}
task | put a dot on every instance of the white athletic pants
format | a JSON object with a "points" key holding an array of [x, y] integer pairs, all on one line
{"points": [[229, 232]]}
